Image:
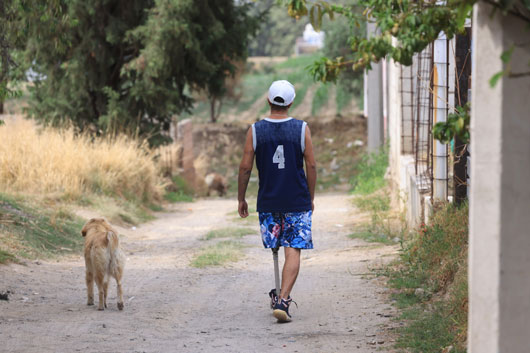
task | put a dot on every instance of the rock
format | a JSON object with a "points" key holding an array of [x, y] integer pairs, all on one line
{"points": [[358, 143], [4, 296], [447, 349], [422, 293], [419, 292], [349, 144], [396, 240], [334, 165]]}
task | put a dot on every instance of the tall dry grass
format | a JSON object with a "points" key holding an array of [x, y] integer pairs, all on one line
{"points": [[42, 161]]}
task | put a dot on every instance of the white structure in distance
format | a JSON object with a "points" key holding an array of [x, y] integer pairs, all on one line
{"points": [[310, 42]]}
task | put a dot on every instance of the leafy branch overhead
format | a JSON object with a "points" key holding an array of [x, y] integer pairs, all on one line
{"points": [[405, 27]]}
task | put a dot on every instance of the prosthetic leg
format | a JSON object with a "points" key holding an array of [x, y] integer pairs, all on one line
{"points": [[276, 270]]}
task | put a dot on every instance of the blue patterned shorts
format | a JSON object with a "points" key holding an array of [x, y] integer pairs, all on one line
{"points": [[292, 230]]}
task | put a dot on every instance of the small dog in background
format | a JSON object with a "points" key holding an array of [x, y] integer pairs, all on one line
{"points": [[103, 259], [216, 182]]}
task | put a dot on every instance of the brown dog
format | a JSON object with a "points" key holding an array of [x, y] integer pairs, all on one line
{"points": [[103, 259], [216, 182]]}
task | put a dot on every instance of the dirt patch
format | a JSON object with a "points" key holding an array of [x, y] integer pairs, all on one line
{"points": [[338, 142], [215, 309]]}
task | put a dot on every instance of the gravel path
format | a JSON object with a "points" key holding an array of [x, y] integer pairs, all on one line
{"points": [[171, 307]]}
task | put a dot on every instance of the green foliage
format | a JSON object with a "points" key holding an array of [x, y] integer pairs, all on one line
{"points": [[413, 24], [219, 254], [370, 172], [179, 190], [130, 66], [41, 231], [277, 31], [10, 40], [233, 232], [177, 196], [378, 229], [428, 332], [320, 98], [6, 257], [338, 44], [433, 268], [457, 124], [506, 58], [373, 202]]}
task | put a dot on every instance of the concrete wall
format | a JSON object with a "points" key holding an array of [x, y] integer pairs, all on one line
{"points": [[374, 100], [499, 262], [402, 172]]}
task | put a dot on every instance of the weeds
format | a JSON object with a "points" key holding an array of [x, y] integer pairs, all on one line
{"points": [[370, 173], [228, 233], [219, 254], [177, 196], [121, 211], [373, 198], [432, 282], [41, 231], [320, 99], [6, 257]]}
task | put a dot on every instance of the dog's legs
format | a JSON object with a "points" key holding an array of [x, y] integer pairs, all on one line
{"points": [[120, 292], [118, 274], [99, 282], [105, 291], [90, 287]]}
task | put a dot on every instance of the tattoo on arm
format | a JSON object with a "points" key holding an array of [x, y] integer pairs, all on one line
{"points": [[243, 179]]}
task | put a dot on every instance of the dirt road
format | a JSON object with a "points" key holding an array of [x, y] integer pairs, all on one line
{"points": [[172, 307]]}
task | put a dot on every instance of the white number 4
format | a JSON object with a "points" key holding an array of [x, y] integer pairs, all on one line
{"points": [[278, 157]]}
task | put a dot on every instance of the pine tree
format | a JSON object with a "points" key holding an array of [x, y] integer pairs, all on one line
{"points": [[129, 66]]}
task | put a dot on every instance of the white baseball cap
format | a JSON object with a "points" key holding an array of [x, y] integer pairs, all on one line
{"points": [[281, 93]]}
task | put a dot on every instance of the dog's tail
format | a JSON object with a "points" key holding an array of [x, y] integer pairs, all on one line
{"points": [[114, 250]]}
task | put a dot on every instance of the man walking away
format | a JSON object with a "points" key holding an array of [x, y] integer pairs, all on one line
{"points": [[285, 197]]}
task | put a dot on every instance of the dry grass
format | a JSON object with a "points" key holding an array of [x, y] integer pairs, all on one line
{"points": [[49, 161]]}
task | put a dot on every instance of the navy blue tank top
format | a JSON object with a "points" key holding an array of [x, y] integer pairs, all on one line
{"points": [[279, 148]]}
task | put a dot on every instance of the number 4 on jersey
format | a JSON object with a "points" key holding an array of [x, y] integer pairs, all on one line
{"points": [[278, 157]]}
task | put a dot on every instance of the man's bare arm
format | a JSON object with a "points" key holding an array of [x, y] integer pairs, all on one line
{"points": [[245, 169], [310, 165]]}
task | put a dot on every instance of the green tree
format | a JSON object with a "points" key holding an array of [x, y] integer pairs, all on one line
{"points": [[338, 44], [9, 41], [114, 66]]}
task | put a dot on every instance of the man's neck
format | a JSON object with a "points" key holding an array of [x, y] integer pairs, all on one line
{"points": [[278, 116]]}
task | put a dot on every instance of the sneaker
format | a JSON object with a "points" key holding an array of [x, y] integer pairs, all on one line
{"points": [[274, 297], [281, 310]]}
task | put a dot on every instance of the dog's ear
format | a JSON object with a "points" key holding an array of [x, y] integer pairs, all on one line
{"points": [[85, 227]]}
